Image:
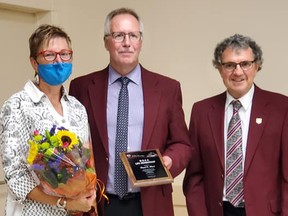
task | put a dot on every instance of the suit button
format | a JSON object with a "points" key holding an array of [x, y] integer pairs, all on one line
{"points": [[222, 176], [220, 204], [107, 159]]}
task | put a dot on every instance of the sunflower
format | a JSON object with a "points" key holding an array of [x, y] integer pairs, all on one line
{"points": [[67, 139], [32, 151]]}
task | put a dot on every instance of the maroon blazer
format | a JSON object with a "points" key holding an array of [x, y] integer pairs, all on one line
{"points": [[266, 163], [164, 129]]}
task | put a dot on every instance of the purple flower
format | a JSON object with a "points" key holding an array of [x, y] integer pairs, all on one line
{"points": [[52, 131], [62, 128], [37, 167], [55, 165]]}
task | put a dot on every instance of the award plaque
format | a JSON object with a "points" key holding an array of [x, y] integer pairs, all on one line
{"points": [[146, 168]]}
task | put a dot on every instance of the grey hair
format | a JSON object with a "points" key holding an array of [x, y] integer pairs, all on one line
{"points": [[237, 41], [119, 11]]}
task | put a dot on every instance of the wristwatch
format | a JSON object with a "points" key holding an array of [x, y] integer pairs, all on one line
{"points": [[61, 203]]}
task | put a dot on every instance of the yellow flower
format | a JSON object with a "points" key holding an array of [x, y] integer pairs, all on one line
{"points": [[67, 139], [32, 152]]}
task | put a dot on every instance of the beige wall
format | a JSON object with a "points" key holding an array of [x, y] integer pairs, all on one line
{"points": [[179, 39]]}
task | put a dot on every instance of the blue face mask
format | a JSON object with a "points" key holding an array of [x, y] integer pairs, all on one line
{"points": [[56, 73]]}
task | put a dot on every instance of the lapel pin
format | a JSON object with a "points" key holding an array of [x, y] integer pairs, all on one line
{"points": [[258, 120]]}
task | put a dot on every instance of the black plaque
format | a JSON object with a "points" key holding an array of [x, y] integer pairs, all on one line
{"points": [[146, 168]]}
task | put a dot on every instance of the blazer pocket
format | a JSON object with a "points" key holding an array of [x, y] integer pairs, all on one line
{"points": [[275, 206]]}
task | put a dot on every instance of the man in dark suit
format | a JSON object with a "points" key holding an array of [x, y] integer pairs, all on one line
{"points": [[247, 174], [155, 120]]}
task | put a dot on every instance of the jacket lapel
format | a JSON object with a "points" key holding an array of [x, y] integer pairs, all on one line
{"points": [[258, 120], [98, 96], [216, 121], [152, 95]]}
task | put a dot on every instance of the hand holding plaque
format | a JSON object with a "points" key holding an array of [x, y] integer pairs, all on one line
{"points": [[146, 168]]}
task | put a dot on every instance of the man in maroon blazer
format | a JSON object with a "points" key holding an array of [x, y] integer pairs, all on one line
{"points": [[260, 185], [156, 119]]}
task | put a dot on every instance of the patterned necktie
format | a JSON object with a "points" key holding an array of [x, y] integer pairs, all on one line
{"points": [[120, 179], [234, 157]]}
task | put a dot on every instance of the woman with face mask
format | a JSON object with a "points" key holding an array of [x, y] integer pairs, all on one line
{"points": [[42, 104]]}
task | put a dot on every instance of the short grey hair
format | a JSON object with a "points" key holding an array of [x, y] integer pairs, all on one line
{"points": [[119, 11], [238, 41]]}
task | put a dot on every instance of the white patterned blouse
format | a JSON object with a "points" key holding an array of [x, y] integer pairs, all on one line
{"points": [[21, 114]]}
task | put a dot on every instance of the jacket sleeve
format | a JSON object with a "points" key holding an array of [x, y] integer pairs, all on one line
{"points": [[179, 148], [193, 185]]}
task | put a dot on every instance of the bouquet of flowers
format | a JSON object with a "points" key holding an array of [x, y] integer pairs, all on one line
{"points": [[62, 162]]}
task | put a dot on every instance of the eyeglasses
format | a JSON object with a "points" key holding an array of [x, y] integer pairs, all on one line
{"points": [[231, 66], [119, 37], [50, 56]]}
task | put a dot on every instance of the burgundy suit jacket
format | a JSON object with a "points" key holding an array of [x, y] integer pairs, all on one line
{"points": [[164, 129], [266, 163]]}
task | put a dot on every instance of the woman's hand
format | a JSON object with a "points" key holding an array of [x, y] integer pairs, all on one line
{"points": [[83, 202]]}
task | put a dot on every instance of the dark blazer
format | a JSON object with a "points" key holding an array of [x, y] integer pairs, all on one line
{"points": [[164, 129], [266, 163]]}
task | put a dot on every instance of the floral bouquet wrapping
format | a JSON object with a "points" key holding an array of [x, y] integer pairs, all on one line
{"points": [[62, 162]]}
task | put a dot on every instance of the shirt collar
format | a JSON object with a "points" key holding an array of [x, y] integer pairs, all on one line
{"points": [[245, 100], [134, 75], [36, 95]]}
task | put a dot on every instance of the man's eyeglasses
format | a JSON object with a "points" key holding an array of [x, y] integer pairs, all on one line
{"points": [[119, 37], [231, 66], [50, 56]]}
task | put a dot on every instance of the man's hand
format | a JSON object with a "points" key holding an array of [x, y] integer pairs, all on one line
{"points": [[167, 161]]}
